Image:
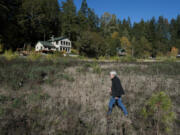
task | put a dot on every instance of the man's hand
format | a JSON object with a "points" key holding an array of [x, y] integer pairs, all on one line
{"points": [[116, 97], [110, 91]]}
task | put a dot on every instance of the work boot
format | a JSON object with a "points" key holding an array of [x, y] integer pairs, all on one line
{"points": [[109, 112]]}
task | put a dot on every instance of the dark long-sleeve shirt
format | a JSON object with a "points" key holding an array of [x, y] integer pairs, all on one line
{"points": [[117, 89]]}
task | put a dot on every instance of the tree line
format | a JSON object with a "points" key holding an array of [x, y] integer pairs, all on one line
{"points": [[24, 22]]}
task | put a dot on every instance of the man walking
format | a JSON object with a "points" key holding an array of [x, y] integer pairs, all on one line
{"points": [[116, 93]]}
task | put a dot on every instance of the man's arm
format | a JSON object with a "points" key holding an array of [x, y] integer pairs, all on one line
{"points": [[119, 86], [110, 91]]}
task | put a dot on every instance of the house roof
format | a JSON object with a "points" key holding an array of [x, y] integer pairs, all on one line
{"points": [[57, 39], [120, 49], [47, 44]]}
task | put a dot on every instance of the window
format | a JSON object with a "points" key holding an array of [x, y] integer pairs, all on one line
{"points": [[56, 42], [61, 42]]}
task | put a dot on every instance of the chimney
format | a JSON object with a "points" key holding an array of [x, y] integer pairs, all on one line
{"points": [[52, 38]]}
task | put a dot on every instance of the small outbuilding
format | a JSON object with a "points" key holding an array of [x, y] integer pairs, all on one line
{"points": [[178, 56], [121, 52]]}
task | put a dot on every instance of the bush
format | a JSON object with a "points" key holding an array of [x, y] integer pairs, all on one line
{"points": [[53, 57], [120, 59], [96, 68], [166, 59], [59, 53], [34, 56], [10, 55], [85, 68], [74, 51], [115, 58], [170, 59], [104, 58], [50, 57], [82, 57], [158, 109], [127, 59]]}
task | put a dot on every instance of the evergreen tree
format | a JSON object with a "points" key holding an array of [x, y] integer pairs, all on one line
{"points": [[108, 24], [139, 29], [69, 23], [142, 48], [162, 35], [175, 32], [158, 111], [93, 20], [126, 24], [27, 21], [112, 45], [84, 8], [151, 35], [9, 30], [92, 45], [39, 20]]}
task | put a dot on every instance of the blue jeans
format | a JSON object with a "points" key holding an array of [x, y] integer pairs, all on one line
{"points": [[120, 104]]}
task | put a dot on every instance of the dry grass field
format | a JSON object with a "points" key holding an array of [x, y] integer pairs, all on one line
{"points": [[70, 97]]}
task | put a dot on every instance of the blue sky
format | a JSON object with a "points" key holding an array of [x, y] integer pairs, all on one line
{"points": [[135, 9]]}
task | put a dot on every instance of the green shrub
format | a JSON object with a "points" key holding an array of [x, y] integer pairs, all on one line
{"points": [[58, 53], [159, 109], [104, 58], [10, 55], [74, 51], [55, 56], [50, 57], [34, 56], [170, 59], [87, 65], [96, 68], [82, 57], [115, 58], [127, 59]]}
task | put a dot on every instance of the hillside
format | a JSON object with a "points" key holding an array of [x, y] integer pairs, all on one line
{"points": [[70, 96], [25, 22]]}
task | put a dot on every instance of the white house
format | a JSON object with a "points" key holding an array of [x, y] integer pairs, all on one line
{"points": [[54, 44]]}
